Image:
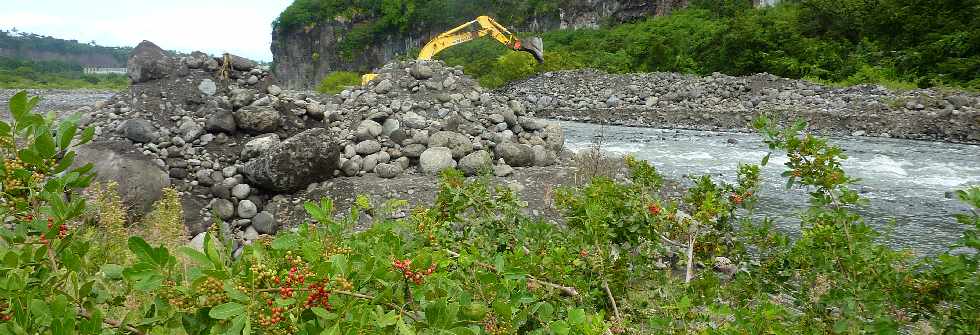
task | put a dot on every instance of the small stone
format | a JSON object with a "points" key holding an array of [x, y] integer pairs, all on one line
{"points": [[247, 209], [224, 209], [502, 170], [241, 191], [251, 234], [367, 147], [264, 223], [274, 90]]}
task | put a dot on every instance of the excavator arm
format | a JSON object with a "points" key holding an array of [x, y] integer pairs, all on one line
{"points": [[482, 26], [486, 26]]}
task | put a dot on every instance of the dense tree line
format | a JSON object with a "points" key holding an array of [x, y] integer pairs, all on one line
{"points": [[902, 43]]}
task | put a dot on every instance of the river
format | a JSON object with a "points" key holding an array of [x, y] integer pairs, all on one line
{"points": [[906, 181]]}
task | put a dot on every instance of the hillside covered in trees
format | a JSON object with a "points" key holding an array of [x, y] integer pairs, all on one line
{"points": [[35, 61], [900, 43]]}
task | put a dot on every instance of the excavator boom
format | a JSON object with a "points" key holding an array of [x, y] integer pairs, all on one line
{"points": [[481, 26]]}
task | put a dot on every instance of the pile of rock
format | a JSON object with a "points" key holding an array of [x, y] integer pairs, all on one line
{"points": [[725, 102], [424, 114], [238, 147]]}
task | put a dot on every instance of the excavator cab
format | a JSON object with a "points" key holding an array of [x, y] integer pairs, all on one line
{"points": [[533, 46]]}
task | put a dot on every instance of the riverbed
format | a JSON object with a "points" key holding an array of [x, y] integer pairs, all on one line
{"points": [[906, 181]]}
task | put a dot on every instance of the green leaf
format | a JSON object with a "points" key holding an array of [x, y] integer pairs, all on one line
{"points": [[150, 283], [30, 157], [545, 311], [195, 255], [287, 241], [560, 327], [18, 105], [66, 132], [226, 311], [45, 146], [404, 329], [141, 249], [236, 325], [112, 271], [234, 293], [87, 135], [765, 160], [576, 316]]}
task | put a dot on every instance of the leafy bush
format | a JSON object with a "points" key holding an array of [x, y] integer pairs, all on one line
{"points": [[473, 263], [337, 81]]}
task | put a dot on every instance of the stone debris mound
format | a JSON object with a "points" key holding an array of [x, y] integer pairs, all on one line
{"points": [[238, 147]]}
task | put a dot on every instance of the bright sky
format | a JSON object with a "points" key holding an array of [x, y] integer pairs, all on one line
{"points": [[241, 27]]}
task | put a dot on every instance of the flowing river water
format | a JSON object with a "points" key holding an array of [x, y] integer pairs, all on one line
{"points": [[906, 181]]}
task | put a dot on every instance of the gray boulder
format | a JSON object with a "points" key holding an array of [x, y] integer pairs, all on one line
{"points": [[140, 181], [241, 97], [420, 71], [242, 63], [368, 129], [458, 143], [224, 209], [435, 159], [220, 120], [475, 162], [139, 131], [247, 209], [305, 158], [258, 145], [147, 62], [385, 170], [257, 119], [554, 137], [515, 154], [207, 87], [413, 150], [543, 157], [383, 87], [414, 121], [367, 147], [264, 223], [190, 130], [530, 123]]}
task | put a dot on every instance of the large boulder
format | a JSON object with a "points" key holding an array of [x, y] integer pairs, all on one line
{"points": [[140, 181], [220, 120], [257, 119], [139, 131], [475, 162], [147, 62], [435, 159], [256, 146], [554, 137], [458, 143], [515, 154], [296, 162], [242, 63]]}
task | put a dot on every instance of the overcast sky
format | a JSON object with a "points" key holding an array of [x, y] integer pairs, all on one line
{"points": [[242, 27]]}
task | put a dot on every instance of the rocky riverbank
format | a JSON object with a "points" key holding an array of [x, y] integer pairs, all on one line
{"points": [[246, 153], [720, 102], [55, 100]]}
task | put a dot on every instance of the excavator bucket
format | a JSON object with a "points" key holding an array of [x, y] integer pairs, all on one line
{"points": [[534, 46]]}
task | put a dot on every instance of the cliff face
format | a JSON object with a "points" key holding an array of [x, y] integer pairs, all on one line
{"points": [[303, 56]]}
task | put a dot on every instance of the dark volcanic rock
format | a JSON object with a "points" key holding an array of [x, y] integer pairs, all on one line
{"points": [[147, 62], [140, 182], [308, 157]]}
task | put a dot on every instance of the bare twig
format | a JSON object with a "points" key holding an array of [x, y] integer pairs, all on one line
{"points": [[111, 322], [690, 259], [672, 242], [565, 290], [612, 300]]}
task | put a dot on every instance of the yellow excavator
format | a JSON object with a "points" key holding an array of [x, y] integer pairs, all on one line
{"points": [[482, 26]]}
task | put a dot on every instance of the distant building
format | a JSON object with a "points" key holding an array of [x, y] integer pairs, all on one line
{"points": [[104, 70]]}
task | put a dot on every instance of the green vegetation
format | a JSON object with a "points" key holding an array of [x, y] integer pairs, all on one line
{"points": [[54, 74], [22, 67], [472, 262], [898, 43], [336, 81]]}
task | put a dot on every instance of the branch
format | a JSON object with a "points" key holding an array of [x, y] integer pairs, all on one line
{"points": [[111, 322], [565, 290], [605, 286], [347, 293], [671, 242]]}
